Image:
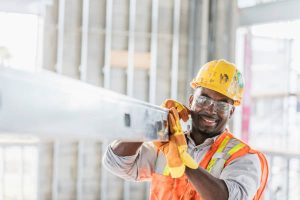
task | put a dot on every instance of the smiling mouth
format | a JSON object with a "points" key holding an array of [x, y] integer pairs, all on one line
{"points": [[208, 121]]}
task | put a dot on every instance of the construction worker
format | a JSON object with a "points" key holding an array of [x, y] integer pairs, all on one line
{"points": [[206, 163]]}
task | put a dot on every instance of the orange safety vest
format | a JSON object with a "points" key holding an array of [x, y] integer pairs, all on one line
{"points": [[167, 188]]}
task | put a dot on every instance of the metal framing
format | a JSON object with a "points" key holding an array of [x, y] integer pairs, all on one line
{"points": [[56, 146], [40, 38], [277, 10], [38, 192], [60, 36], [240, 62], [22, 171], [104, 178], [204, 31], [130, 69], [130, 72], [287, 156], [287, 179], [107, 52], [175, 49], [2, 172], [84, 40], [83, 77], [80, 150], [153, 67], [74, 109], [191, 46]]}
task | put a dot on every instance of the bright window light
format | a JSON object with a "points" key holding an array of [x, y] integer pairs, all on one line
{"points": [[18, 40]]}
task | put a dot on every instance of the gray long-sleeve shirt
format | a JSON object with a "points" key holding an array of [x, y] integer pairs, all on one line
{"points": [[242, 175]]}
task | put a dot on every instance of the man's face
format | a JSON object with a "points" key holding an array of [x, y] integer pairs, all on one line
{"points": [[210, 111]]}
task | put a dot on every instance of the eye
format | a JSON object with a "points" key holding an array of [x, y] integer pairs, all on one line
{"points": [[223, 104]]}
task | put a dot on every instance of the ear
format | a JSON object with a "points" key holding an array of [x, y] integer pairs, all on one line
{"points": [[191, 100], [231, 112]]}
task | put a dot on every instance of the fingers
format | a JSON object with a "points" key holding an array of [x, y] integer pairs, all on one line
{"points": [[169, 103], [184, 114], [174, 123], [181, 109], [174, 113]]}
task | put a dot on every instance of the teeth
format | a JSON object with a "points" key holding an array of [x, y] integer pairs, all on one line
{"points": [[209, 119]]}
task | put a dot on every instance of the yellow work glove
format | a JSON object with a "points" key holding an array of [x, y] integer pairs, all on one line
{"points": [[181, 109], [176, 149]]}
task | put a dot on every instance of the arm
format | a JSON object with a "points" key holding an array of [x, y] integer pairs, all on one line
{"points": [[126, 148], [238, 181], [137, 166], [206, 184]]}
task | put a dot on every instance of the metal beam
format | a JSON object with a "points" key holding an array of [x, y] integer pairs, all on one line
{"points": [[103, 176], [175, 49], [191, 44], [287, 179], [107, 50], [51, 105], [80, 161], [84, 40], [60, 36], [55, 170], [2, 171], [153, 67], [270, 12], [130, 69], [285, 155]]}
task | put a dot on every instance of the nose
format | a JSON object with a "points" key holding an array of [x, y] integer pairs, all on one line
{"points": [[212, 108]]}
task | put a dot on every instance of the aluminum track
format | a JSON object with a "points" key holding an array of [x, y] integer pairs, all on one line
{"points": [[50, 105]]}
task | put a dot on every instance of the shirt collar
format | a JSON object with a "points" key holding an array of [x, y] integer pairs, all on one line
{"points": [[207, 142]]}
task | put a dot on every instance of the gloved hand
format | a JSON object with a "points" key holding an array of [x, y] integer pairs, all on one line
{"points": [[176, 149], [181, 109]]}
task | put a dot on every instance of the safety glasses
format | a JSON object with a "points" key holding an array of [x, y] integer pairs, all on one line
{"points": [[219, 106]]}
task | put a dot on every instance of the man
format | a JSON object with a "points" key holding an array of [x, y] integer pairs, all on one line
{"points": [[226, 168]]}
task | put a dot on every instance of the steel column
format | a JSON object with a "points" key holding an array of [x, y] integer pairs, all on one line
{"points": [[79, 184], [60, 36], [107, 55], [276, 11], [191, 40], [104, 178], [22, 171], [204, 31], [2, 172], [56, 146], [175, 49], [153, 67], [287, 179], [130, 68], [84, 40]]}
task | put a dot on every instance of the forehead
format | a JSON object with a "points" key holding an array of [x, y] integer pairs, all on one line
{"points": [[211, 93]]}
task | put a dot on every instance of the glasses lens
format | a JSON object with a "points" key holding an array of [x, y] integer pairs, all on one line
{"points": [[223, 106], [203, 101]]}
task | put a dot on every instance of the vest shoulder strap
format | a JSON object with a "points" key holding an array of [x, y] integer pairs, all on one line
{"points": [[238, 150]]}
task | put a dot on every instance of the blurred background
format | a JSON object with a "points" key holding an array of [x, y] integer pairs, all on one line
{"points": [[150, 50]]}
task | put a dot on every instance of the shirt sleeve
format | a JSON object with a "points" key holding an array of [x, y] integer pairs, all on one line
{"points": [[242, 177], [137, 167]]}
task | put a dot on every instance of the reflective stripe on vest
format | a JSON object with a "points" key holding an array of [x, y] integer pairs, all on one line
{"points": [[214, 161]]}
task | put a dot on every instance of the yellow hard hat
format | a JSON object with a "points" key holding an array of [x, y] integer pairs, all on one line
{"points": [[223, 77]]}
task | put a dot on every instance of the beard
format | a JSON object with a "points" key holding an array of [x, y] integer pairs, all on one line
{"points": [[207, 124]]}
